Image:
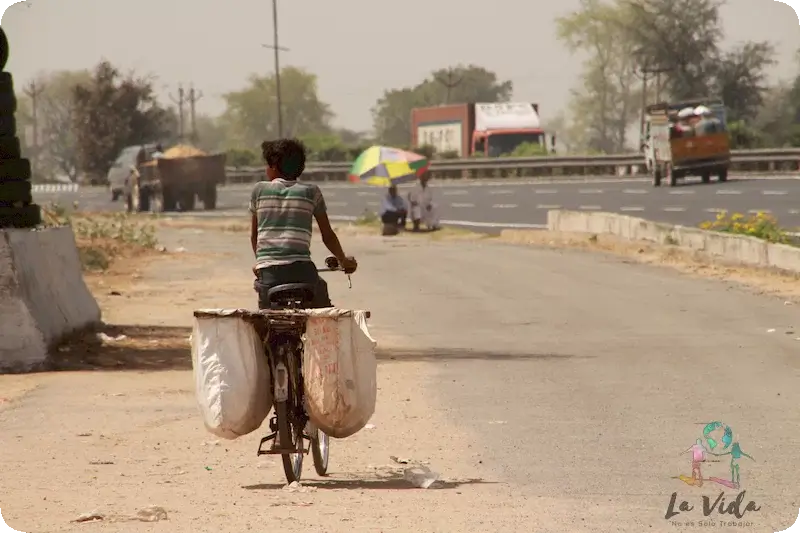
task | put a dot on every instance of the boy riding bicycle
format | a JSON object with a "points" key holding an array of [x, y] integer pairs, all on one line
{"points": [[282, 212]]}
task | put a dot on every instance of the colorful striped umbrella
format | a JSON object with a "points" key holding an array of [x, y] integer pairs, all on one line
{"points": [[384, 166]]}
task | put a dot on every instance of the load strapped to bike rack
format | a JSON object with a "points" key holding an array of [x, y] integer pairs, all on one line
{"points": [[282, 336]]}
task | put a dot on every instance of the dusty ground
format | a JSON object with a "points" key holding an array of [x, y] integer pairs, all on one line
{"points": [[118, 430], [553, 390]]}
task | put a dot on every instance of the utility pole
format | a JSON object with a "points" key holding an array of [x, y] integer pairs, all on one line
{"points": [[194, 97], [180, 101], [275, 46], [450, 83], [33, 91]]}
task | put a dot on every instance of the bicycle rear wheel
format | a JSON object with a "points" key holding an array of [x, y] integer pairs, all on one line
{"points": [[290, 432], [290, 436], [320, 448]]}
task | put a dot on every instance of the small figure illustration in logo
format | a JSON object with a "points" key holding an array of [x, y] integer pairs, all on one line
{"points": [[698, 456], [717, 440]]}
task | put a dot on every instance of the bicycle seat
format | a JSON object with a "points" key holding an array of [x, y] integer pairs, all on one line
{"points": [[303, 292]]}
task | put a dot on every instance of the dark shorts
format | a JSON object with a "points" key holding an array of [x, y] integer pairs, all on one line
{"points": [[297, 272]]}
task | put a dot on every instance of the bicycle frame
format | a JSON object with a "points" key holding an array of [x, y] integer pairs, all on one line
{"points": [[284, 348]]}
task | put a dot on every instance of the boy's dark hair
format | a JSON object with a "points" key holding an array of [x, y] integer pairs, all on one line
{"points": [[288, 156]]}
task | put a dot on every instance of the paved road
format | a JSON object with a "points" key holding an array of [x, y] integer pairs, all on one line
{"points": [[553, 391], [512, 203]]}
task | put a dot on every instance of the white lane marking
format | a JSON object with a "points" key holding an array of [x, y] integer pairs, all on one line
{"points": [[469, 224], [626, 209], [589, 208], [504, 191], [681, 192], [466, 223], [774, 193], [590, 191], [715, 210], [335, 204], [330, 194], [373, 204], [504, 206], [794, 211], [462, 205], [366, 193], [674, 209], [455, 193], [546, 191], [726, 191], [757, 211], [634, 191], [545, 206]]}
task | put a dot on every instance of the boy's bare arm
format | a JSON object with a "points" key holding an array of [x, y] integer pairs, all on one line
{"points": [[329, 237]]}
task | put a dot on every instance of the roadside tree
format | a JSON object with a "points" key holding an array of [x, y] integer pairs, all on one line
{"points": [[112, 111]]}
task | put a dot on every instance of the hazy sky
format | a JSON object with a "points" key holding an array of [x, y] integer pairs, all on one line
{"points": [[358, 48]]}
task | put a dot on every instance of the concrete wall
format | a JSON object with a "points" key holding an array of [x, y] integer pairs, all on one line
{"points": [[739, 249], [42, 295]]}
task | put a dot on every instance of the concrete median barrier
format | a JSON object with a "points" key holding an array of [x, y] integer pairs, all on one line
{"points": [[737, 249], [43, 297]]}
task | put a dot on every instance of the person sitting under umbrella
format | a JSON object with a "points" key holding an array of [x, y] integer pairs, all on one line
{"points": [[393, 209], [423, 209]]}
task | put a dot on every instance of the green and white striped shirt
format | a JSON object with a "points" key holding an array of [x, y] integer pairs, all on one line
{"points": [[285, 212]]}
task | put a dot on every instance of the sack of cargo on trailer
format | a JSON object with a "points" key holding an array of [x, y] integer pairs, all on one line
{"points": [[339, 371], [231, 374]]}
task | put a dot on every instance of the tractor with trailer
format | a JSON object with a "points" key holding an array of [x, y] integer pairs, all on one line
{"points": [[175, 180]]}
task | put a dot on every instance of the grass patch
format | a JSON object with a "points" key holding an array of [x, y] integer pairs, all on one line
{"points": [[368, 218], [760, 226], [103, 238]]}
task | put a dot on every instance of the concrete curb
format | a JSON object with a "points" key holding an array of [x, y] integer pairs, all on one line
{"points": [[738, 249], [43, 296]]}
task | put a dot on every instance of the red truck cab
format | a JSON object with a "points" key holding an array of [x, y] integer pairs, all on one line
{"points": [[484, 129]]}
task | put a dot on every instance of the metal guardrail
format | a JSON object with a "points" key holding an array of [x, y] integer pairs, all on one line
{"points": [[768, 160]]}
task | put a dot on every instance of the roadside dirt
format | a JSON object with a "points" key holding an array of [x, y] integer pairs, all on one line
{"points": [[117, 429], [763, 281]]}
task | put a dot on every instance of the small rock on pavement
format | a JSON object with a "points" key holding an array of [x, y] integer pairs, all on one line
{"points": [[152, 513], [91, 516], [420, 476], [297, 487]]}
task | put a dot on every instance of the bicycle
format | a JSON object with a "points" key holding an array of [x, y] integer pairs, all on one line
{"points": [[282, 334]]}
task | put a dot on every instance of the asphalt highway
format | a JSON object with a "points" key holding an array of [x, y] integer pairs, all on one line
{"points": [[493, 205]]}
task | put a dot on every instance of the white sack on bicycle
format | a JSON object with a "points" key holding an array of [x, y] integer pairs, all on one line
{"points": [[339, 371], [231, 374]]}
